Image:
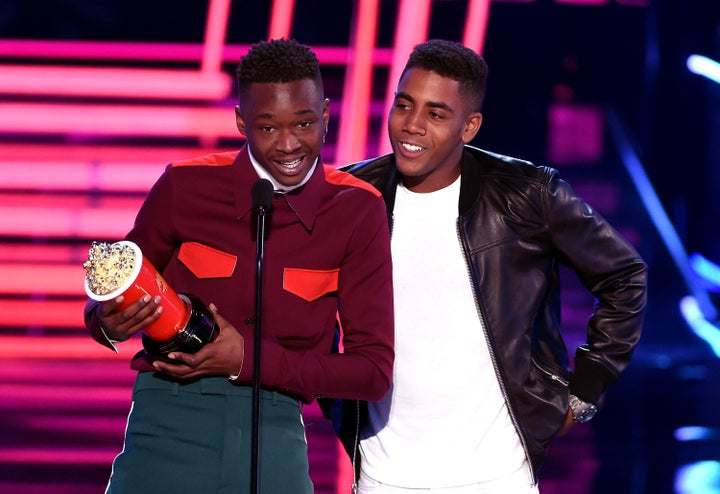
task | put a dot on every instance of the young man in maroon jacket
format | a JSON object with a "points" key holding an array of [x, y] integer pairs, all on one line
{"points": [[327, 253]]}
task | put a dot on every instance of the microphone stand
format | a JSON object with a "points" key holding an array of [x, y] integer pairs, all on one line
{"points": [[262, 197], [260, 248]]}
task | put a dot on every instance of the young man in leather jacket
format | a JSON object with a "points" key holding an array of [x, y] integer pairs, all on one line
{"points": [[482, 378]]}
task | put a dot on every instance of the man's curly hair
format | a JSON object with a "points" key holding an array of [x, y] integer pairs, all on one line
{"points": [[278, 60], [453, 60]]}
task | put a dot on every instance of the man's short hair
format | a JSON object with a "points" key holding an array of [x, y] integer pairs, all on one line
{"points": [[278, 60], [453, 60]]}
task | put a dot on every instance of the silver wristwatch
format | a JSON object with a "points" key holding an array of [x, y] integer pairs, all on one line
{"points": [[582, 411]]}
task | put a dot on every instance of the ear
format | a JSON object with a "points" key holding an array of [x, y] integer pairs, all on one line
{"points": [[472, 125], [326, 113], [240, 122]]}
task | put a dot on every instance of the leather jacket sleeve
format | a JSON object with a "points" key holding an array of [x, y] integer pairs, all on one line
{"points": [[611, 269]]}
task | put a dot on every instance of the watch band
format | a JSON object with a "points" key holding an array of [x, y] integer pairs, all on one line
{"points": [[582, 411]]}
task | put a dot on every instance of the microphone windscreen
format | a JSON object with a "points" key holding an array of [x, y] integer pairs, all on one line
{"points": [[262, 194]]}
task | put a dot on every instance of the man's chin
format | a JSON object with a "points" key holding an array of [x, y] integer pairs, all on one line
{"points": [[290, 179]]}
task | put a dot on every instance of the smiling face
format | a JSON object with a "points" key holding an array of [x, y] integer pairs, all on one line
{"points": [[429, 124], [284, 124]]}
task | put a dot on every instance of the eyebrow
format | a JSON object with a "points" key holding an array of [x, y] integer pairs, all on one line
{"points": [[299, 113], [430, 104]]}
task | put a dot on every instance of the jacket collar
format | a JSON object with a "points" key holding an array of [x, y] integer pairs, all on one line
{"points": [[382, 173], [471, 182], [304, 201]]}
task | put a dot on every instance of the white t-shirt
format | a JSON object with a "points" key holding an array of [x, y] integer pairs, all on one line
{"points": [[444, 422]]}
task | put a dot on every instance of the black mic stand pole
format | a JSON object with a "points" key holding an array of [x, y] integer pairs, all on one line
{"points": [[262, 211]]}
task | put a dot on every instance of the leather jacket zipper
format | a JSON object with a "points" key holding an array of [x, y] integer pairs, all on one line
{"points": [[354, 486], [554, 377]]}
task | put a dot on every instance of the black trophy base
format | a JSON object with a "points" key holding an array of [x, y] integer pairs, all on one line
{"points": [[199, 330]]}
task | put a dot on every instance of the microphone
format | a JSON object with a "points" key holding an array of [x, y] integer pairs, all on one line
{"points": [[262, 196]]}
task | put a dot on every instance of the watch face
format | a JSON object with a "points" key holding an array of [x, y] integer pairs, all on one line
{"points": [[585, 414]]}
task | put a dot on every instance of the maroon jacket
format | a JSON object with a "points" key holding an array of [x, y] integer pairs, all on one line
{"points": [[327, 253]]}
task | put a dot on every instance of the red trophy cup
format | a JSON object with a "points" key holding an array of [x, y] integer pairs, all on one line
{"points": [[185, 325]]}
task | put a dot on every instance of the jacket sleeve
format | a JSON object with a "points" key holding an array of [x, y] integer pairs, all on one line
{"points": [[612, 270], [154, 211], [92, 322]]}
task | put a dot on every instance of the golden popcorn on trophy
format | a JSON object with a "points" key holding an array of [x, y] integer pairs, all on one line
{"points": [[113, 269]]}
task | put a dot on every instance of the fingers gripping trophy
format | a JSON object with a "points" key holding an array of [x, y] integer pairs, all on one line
{"points": [[114, 269]]}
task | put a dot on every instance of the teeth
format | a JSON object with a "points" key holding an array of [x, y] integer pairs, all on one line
{"points": [[411, 147], [290, 164]]}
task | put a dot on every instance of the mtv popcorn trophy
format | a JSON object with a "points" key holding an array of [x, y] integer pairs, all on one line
{"points": [[185, 325]]}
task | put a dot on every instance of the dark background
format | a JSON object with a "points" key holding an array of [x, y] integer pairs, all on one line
{"points": [[631, 58]]}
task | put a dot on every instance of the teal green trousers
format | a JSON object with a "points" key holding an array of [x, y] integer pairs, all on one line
{"points": [[196, 438]]}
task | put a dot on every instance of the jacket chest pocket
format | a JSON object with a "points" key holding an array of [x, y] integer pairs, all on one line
{"points": [[206, 262], [310, 284]]}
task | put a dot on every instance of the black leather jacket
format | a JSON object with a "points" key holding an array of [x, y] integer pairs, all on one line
{"points": [[518, 222]]}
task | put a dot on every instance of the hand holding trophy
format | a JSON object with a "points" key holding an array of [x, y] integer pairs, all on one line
{"points": [[185, 325]]}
